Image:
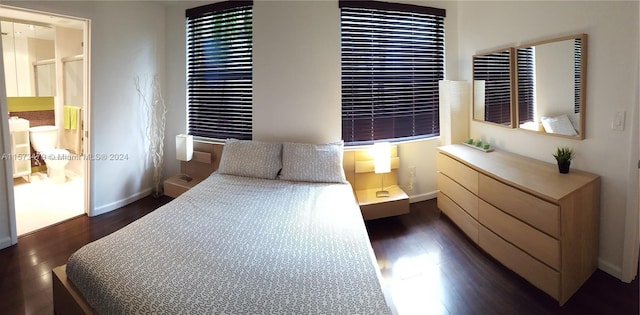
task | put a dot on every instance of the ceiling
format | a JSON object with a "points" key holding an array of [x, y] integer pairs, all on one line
{"points": [[22, 23]]}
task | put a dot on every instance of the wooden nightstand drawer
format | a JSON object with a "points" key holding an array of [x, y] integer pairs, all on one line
{"points": [[373, 207], [175, 185]]}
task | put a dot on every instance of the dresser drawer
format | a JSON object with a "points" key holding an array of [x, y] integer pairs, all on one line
{"points": [[465, 199], [540, 214], [539, 245], [537, 273], [462, 174], [463, 220]]}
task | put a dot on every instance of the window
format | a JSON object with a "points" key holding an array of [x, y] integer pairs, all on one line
{"points": [[219, 70], [392, 60]]}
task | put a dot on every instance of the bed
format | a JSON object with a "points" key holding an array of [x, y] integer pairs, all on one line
{"points": [[238, 244]]}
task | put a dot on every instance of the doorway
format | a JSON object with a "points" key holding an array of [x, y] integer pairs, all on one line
{"points": [[46, 58]]}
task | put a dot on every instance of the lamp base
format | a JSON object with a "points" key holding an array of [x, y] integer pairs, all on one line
{"points": [[382, 193]]}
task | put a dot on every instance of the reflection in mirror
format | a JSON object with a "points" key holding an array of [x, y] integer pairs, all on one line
{"points": [[492, 99], [28, 52], [551, 83], [45, 77]]}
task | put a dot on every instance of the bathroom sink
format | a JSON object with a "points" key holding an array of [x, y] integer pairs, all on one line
{"points": [[18, 124]]}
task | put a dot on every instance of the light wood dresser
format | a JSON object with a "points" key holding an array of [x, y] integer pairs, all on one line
{"points": [[539, 223]]}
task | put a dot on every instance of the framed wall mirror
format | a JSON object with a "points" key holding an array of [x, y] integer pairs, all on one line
{"points": [[493, 96], [551, 86]]}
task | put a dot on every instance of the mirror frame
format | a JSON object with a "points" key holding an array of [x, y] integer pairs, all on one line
{"points": [[583, 84], [512, 86]]}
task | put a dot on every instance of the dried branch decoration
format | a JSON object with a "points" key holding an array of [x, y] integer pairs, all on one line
{"points": [[155, 112]]}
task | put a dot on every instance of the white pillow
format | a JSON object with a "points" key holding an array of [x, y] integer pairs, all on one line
{"points": [[575, 121], [251, 158], [313, 162], [559, 125]]}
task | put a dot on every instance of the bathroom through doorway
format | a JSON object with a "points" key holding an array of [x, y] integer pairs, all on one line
{"points": [[46, 73]]}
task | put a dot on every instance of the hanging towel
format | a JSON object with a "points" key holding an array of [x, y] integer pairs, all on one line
{"points": [[71, 139], [73, 117], [66, 116]]}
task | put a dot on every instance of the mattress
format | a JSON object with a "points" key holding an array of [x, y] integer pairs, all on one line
{"points": [[235, 245]]}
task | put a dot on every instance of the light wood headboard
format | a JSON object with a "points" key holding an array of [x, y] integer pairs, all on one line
{"points": [[359, 169], [358, 165], [206, 159]]}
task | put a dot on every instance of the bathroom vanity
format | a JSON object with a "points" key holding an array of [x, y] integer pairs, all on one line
{"points": [[20, 147]]}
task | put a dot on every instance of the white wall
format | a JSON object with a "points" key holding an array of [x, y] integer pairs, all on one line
{"points": [[296, 71], [612, 85], [127, 41], [554, 80]]}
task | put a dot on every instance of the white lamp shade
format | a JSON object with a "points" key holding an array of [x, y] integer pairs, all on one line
{"points": [[382, 157], [184, 147]]}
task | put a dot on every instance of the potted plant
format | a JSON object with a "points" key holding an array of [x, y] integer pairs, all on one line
{"points": [[563, 156]]}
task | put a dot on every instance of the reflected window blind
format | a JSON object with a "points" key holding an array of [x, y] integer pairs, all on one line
{"points": [[494, 69], [526, 84], [392, 60], [219, 70], [577, 61]]}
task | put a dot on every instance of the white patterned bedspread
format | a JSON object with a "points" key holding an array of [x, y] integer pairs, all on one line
{"points": [[237, 245]]}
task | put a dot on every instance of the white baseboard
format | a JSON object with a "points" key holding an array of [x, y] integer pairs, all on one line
{"points": [[423, 197], [5, 242], [610, 268], [120, 203]]}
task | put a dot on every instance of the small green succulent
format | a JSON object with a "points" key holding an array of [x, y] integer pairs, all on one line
{"points": [[564, 154]]}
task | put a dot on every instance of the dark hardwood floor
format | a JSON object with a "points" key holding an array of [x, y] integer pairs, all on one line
{"points": [[25, 268], [428, 266]]}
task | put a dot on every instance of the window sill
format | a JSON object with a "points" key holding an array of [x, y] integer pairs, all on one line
{"points": [[365, 146]]}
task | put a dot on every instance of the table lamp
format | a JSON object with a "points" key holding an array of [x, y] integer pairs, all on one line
{"points": [[184, 151]]}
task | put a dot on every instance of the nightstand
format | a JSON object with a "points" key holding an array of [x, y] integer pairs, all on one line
{"points": [[175, 185], [373, 207]]}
